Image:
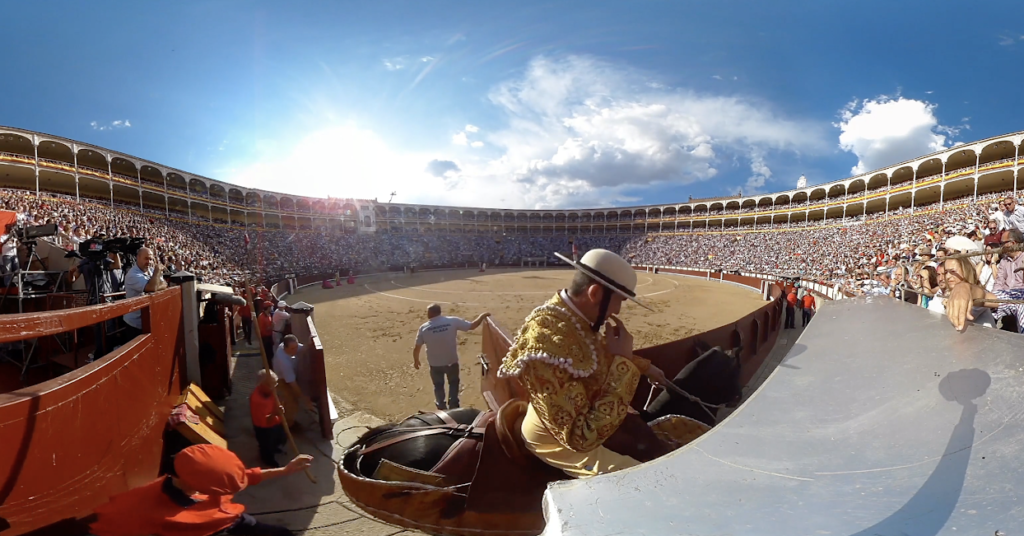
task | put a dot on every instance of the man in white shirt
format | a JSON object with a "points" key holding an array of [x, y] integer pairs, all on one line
{"points": [[285, 364], [280, 319], [1013, 213], [9, 256], [440, 334], [140, 280]]}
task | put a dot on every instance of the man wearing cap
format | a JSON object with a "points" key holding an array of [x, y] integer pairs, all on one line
{"points": [[195, 500], [281, 317], [579, 381]]}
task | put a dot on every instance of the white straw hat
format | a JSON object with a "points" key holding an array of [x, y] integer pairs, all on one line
{"points": [[610, 270]]}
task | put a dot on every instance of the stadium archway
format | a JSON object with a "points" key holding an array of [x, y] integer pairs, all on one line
{"points": [[175, 182], [129, 196], [124, 170], [198, 188]]}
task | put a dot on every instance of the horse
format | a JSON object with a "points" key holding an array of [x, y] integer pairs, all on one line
{"points": [[422, 452], [713, 378]]}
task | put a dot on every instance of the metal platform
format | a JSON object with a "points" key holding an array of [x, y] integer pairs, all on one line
{"points": [[882, 420]]}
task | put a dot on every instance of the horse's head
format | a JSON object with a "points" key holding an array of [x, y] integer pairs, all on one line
{"points": [[714, 377]]}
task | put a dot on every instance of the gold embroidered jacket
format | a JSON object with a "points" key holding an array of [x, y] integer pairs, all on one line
{"points": [[580, 392]]}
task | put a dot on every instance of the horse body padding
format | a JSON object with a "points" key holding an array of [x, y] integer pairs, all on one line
{"points": [[503, 498], [678, 429]]}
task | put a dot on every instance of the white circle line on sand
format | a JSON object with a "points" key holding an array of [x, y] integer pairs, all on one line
{"points": [[467, 291], [663, 291], [649, 281], [414, 299]]}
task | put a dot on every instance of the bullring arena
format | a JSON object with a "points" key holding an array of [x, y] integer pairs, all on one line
{"points": [[877, 417], [368, 329]]}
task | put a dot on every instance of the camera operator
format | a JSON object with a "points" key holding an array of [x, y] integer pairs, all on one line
{"points": [[145, 276], [103, 277], [9, 256]]}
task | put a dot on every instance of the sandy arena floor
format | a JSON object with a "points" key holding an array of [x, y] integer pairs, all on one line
{"points": [[369, 329]]}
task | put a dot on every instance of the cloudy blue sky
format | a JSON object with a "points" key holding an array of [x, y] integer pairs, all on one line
{"points": [[517, 104]]}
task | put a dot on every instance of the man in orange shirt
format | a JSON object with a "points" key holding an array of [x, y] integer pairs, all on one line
{"points": [[266, 323], [195, 501], [266, 417], [245, 315], [808, 303], [791, 310]]}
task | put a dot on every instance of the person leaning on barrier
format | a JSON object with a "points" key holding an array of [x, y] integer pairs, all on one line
{"points": [[440, 334], [144, 277], [967, 300]]}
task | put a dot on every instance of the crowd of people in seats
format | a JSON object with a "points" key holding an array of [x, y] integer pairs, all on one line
{"points": [[858, 255]]}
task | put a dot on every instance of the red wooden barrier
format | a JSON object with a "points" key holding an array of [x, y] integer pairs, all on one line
{"points": [[67, 444]]}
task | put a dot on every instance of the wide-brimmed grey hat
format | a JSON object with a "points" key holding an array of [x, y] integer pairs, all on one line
{"points": [[610, 270]]}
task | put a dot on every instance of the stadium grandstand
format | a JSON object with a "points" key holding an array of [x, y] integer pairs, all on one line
{"points": [[835, 232]]}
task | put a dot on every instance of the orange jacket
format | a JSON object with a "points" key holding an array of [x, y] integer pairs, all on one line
{"points": [[808, 301], [151, 509]]}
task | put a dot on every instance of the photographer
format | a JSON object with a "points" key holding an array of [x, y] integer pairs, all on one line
{"points": [[145, 276], [9, 257]]}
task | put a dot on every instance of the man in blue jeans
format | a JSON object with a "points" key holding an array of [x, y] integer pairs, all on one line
{"points": [[440, 334]]}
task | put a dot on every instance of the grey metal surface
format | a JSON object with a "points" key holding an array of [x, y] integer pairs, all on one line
{"points": [[882, 420]]}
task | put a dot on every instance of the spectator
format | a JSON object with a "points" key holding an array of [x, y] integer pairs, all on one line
{"points": [[808, 308], [281, 319], [143, 277], [245, 315], [1008, 277], [266, 417], [266, 325], [791, 300], [9, 255], [194, 500], [285, 365], [440, 334], [1013, 213]]}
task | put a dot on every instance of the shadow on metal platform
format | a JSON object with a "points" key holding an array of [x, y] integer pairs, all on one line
{"points": [[882, 420]]}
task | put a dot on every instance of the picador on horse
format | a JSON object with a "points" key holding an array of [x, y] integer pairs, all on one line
{"points": [[579, 380]]}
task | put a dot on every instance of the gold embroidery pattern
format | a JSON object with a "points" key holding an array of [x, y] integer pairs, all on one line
{"points": [[579, 391]]}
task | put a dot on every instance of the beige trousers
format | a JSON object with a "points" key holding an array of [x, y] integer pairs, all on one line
{"points": [[574, 464]]}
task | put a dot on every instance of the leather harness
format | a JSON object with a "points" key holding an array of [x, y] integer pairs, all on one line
{"points": [[450, 427]]}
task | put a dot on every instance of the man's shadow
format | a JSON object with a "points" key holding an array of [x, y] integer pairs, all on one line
{"points": [[930, 508]]}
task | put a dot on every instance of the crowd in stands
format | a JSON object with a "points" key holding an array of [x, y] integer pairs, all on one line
{"points": [[846, 253]]}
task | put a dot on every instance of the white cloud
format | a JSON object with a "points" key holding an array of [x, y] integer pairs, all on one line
{"points": [[427, 58], [577, 132], [440, 168], [716, 77], [886, 131], [582, 131], [120, 123], [760, 175], [395, 64]]}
